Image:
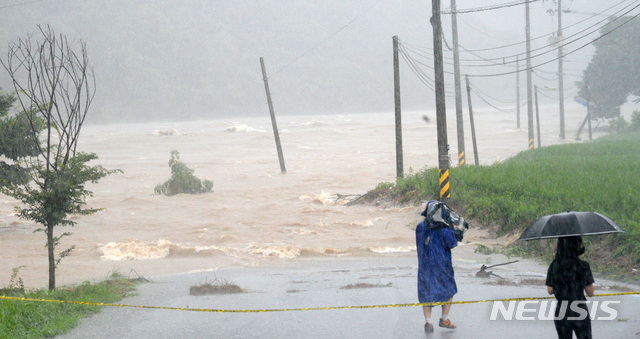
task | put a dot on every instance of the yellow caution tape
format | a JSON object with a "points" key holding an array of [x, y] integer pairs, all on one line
{"points": [[299, 309]]}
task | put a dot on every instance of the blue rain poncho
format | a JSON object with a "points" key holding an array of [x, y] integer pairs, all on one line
{"points": [[434, 242]]}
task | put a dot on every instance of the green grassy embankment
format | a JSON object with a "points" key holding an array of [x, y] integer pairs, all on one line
{"points": [[600, 176], [31, 319]]}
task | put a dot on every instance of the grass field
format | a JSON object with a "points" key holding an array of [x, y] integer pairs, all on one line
{"points": [[30, 319], [600, 176]]}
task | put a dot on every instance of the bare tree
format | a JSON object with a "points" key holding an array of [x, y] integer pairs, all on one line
{"points": [[54, 85]]}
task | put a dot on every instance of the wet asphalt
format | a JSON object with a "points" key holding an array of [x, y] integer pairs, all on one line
{"points": [[304, 284]]}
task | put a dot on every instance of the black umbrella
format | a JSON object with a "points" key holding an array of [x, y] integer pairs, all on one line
{"points": [[570, 223]]}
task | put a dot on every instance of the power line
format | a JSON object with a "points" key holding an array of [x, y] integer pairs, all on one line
{"points": [[490, 97], [415, 69], [545, 35], [546, 95], [554, 59], [481, 32], [488, 103], [489, 8], [510, 63], [429, 66], [323, 41], [20, 4], [535, 71], [544, 47], [413, 65]]}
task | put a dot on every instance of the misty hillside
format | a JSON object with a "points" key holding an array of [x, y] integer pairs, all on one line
{"points": [[169, 59]]}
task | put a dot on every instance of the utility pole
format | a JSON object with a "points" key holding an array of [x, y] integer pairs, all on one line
{"points": [[537, 117], [586, 80], [441, 112], [529, 82], [273, 117], [518, 89], [396, 91], [473, 127], [456, 75], [560, 70]]}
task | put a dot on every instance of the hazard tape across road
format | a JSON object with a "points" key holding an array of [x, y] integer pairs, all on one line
{"points": [[299, 309]]}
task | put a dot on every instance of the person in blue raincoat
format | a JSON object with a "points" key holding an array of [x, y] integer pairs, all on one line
{"points": [[435, 237]]}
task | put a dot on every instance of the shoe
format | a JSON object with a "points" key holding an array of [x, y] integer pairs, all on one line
{"points": [[447, 324], [428, 328]]}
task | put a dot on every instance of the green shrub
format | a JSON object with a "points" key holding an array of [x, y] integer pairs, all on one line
{"points": [[182, 179], [617, 125], [385, 185]]}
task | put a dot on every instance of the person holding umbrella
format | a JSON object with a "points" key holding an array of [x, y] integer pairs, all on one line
{"points": [[436, 235], [568, 278]]}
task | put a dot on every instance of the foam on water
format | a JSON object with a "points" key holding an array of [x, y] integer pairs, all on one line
{"points": [[387, 250], [278, 251], [242, 128], [135, 250]]}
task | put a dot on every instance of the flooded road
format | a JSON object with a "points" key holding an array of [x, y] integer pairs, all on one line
{"points": [[318, 284]]}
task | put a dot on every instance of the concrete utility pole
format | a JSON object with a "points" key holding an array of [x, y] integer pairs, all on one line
{"points": [[458, 90], [518, 89], [560, 70], [529, 82], [537, 117], [586, 80], [473, 127], [273, 117], [396, 92], [441, 111]]}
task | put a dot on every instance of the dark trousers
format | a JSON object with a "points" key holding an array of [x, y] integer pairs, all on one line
{"points": [[565, 327]]}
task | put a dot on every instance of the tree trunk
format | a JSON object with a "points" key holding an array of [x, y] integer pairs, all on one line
{"points": [[52, 261]]}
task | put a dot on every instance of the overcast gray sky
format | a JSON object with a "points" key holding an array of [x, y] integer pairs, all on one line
{"points": [[191, 59]]}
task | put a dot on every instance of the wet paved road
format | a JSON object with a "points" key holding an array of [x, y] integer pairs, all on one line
{"points": [[317, 284]]}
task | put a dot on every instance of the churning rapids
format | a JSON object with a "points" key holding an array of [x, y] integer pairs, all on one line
{"points": [[256, 215]]}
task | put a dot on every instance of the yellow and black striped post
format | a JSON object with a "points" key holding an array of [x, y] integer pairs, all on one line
{"points": [[461, 160], [531, 143], [445, 191]]}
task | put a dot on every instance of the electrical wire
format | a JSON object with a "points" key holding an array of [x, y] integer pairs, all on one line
{"points": [[323, 41], [413, 65], [490, 97], [431, 67], [554, 50], [481, 32], [568, 53], [490, 104], [510, 63], [535, 71], [489, 8], [574, 93], [20, 4], [542, 36], [430, 83]]}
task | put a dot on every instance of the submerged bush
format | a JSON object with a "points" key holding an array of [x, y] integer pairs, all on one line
{"points": [[182, 179], [217, 286]]}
